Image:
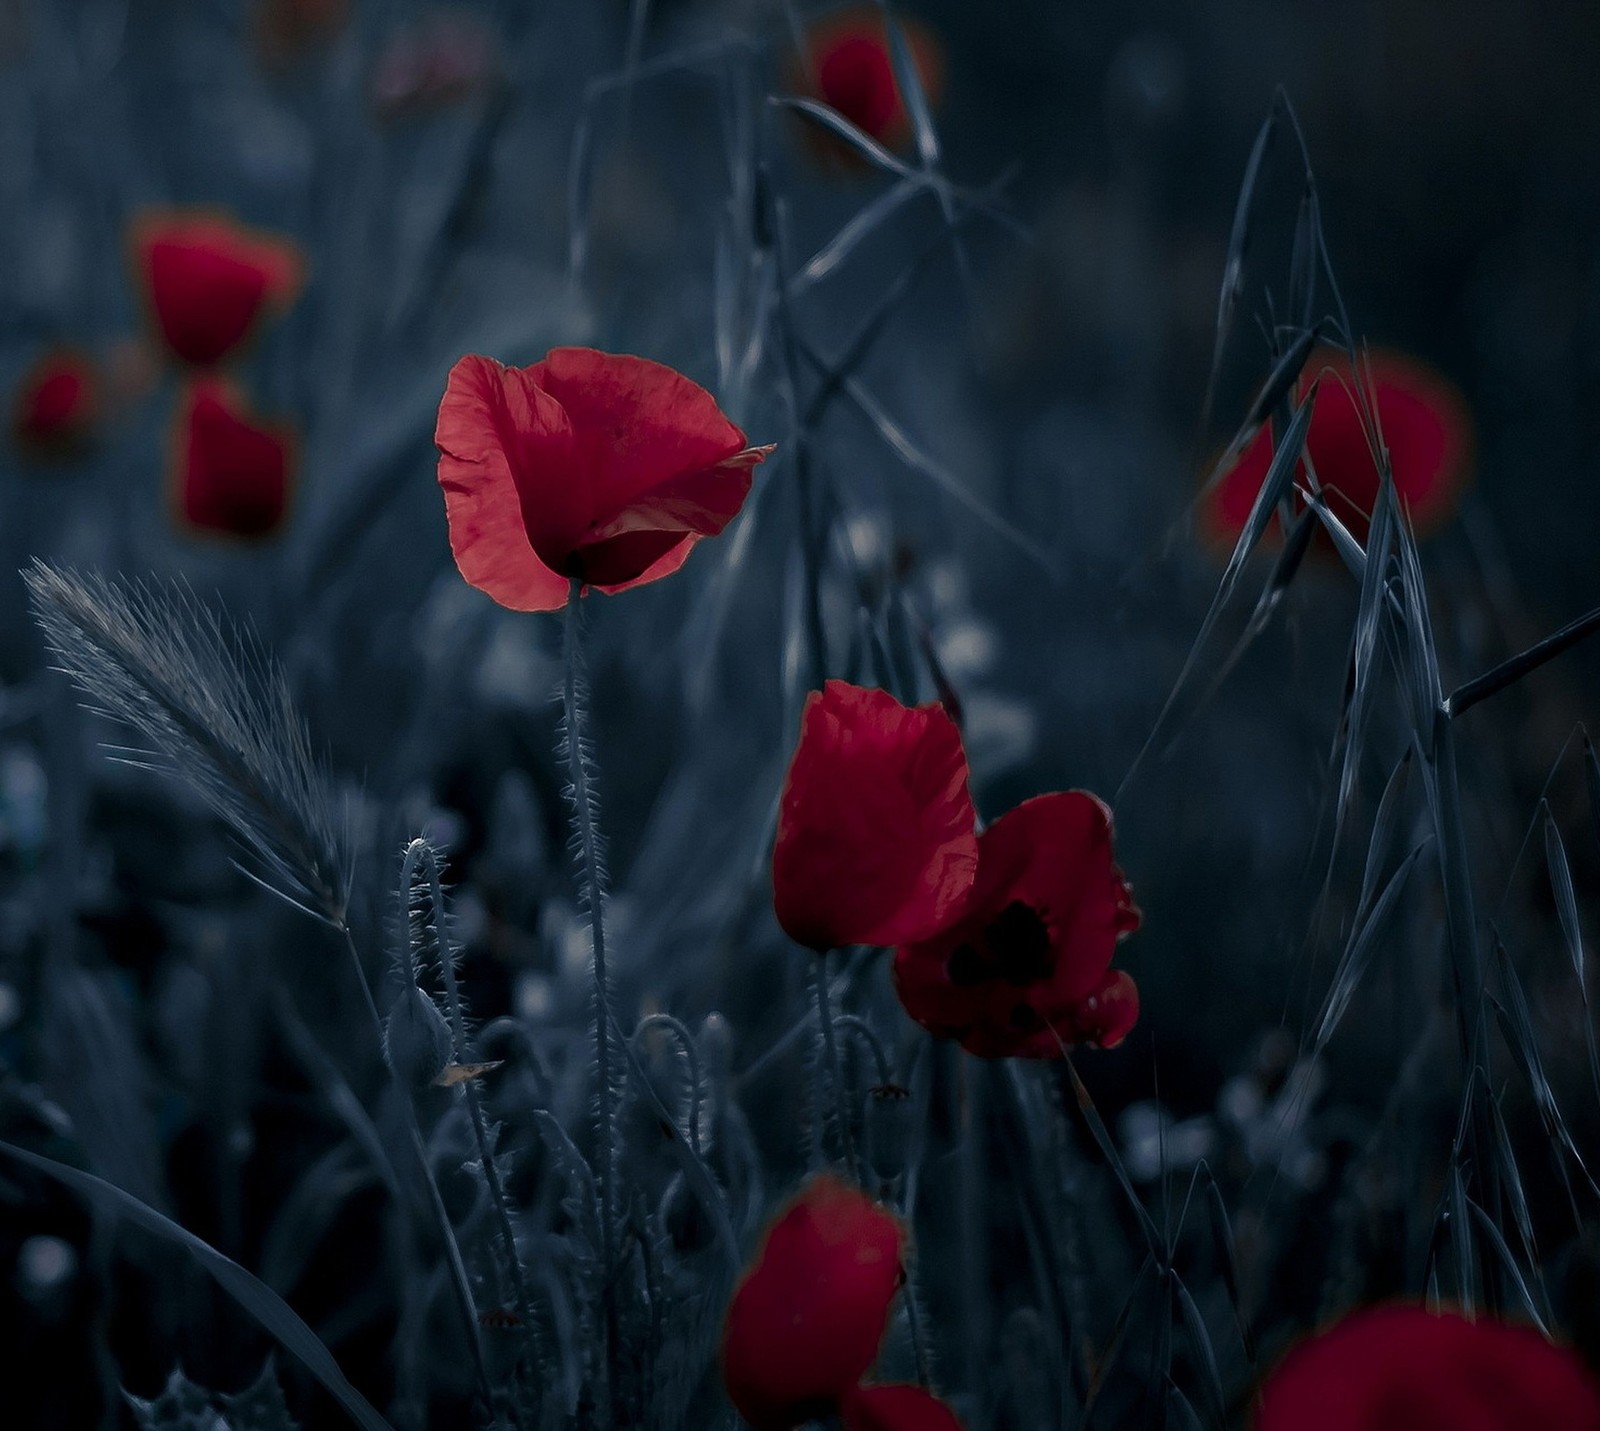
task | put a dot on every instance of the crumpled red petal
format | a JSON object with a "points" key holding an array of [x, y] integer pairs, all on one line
{"points": [[231, 470], [1403, 1368], [876, 841], [208, 279], [806, 1319], [896, 1407]]}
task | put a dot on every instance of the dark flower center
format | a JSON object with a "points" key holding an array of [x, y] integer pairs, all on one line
{"points": [[1014, 946]]}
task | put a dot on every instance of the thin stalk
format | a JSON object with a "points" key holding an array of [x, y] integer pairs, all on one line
{"points": [[583, 824], [830, 1061], [421, 851], [458, 1271]]}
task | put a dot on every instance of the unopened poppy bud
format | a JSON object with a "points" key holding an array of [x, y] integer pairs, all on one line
{"points": [[889, 1127], [416, 1039]]}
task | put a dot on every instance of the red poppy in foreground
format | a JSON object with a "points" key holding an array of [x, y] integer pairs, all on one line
{"points": [[1027, 967], [896, 1408], [56, 406], [1407, 1369], [850, 69], [231, 472], [806, 1319], [208, 280], [598, 466], [1425, 425], [876, 841]]}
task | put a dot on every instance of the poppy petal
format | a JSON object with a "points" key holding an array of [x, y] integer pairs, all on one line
{"points": [[487, 406], [875, 840], [232, 472], [1403, 1368], [896, 1407], [806, 1319]]}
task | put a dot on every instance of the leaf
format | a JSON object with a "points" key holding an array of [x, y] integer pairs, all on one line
{"points": [[264, 1305]]}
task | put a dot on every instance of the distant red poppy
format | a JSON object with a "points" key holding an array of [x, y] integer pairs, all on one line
{"points": [[806, 1319], [230, 471], [208, 280], [57, 404], [288, 28], [896, 1408], [436, 64], [876, 841], [850, 69], [1407, 1369], [1425, 425], [1032, 950], [594, 465]]}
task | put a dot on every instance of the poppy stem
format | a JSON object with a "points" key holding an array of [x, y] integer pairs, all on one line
{"points": [[587, 840], [830, 1066]]}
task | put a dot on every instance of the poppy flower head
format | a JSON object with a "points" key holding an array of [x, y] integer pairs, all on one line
{"points": [[598, 466], [231, 471], [1425, 425], [1402, 1368], [209, 280], [896, 1407], [806, 1319], [1027, 965], [876, 841], [56, 406], [850, 69]]}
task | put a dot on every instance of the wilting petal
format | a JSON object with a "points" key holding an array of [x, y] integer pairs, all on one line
{"points": [[207, 280], [57, 404], [896, 1408], [876, 840], [1403, 1368], [806, 1319], [489, 413], [231, 471]]}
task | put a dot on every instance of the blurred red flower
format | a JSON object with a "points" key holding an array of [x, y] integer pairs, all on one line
{"points": [[806, 1319], [288, 28], [208, 280], [57, 404], [1407, 1369], [594, 465], [436, 64], [1032, 949], [1425, 425], [876, 841], [230, 472], [896, 1408], [850, 69]]}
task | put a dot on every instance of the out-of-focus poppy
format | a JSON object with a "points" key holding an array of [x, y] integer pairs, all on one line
{"points": [[208, 280], [806, 1319], [57, 405], [230, 471], [849, 67], [437, 64], [1027, 966], [896, 1408], [288, 28], [599, 466], [1407, 1369], [876, 841], [1425, 425]]}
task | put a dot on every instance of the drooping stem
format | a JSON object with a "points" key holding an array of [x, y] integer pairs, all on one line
{"points": [[588, 850], [830, 1068]]}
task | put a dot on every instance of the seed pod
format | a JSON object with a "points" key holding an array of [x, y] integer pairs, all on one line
{"points": [[890, 1123], [416, 1039]]}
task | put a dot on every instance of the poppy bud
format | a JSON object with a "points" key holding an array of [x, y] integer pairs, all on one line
{"points": [[416, 1039], [890, 1123]]}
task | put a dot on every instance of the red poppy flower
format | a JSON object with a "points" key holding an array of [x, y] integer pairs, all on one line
{"points": [[596, 465], [896, 1408], [1032, 950], [1425, 425], [208, 280], [57, 404], [231, 473], [875, 837], [1407, 1369], [440, 63], [806, 1319], [850, 69]]}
